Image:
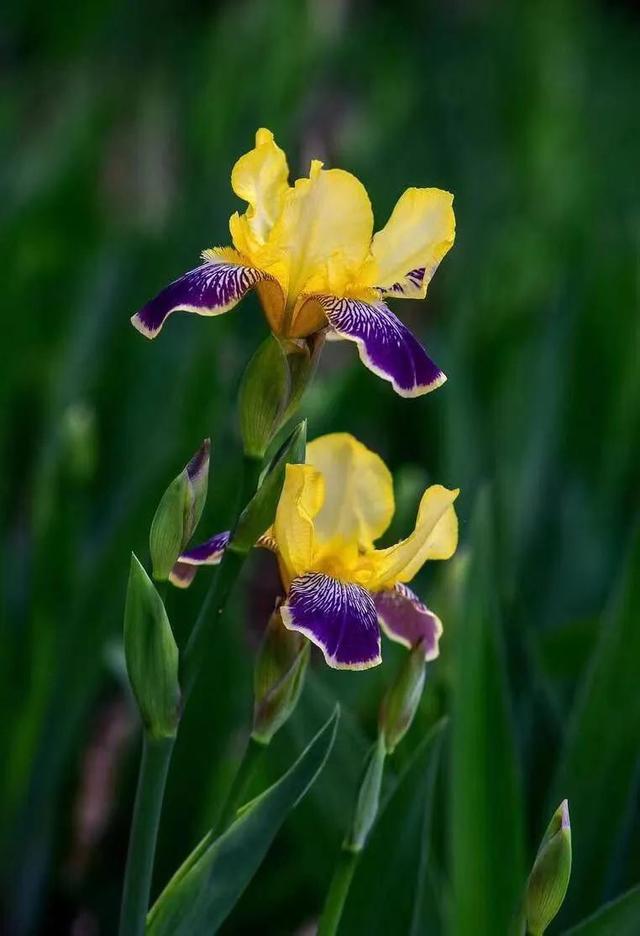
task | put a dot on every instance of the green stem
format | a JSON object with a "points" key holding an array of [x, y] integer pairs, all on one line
{"points": [[338, 891], [154, 766], [156, 755], [240, 784]]}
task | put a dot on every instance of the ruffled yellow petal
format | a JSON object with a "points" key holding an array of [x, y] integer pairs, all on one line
{"points": [[358, 503], [418, 234], [260, 177], [324, 230], [293, 530], [435, 537]]}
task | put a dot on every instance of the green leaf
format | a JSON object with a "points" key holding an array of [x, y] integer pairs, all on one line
{"points": [[259, 513], [486, 809], [205, 889], [599, 762], [151, 654], [621, 917], [264, 393], [398, 854]]}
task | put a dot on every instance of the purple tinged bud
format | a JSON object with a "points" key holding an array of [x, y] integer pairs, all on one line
{"points": [[178, 513], [401, 702], [549, 878], [278, 678]]}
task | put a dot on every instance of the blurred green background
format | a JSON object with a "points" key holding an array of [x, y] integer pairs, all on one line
{"points": [[119, 126]]}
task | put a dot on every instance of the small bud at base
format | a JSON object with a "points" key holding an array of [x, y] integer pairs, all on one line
{"points": [[549, 878]]}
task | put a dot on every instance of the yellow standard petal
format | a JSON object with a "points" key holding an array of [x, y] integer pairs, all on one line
{"points": [[358, 503], [324, 232], [418, 234], [260, 177], [435, 537], [293, 530]]}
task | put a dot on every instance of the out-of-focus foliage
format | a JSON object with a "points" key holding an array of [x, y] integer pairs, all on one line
{"points": [[120, 123]]}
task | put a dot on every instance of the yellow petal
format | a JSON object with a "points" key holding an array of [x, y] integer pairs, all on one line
{"points": [[293, 529], [358, 503], [418, 234], [260, 177], [435, 537], [324, 231]]}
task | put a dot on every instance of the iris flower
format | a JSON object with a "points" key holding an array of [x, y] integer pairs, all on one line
{"points": [[310, 253], [339, 588]]}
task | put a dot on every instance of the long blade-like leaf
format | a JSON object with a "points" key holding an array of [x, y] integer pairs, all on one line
{"points": [[599, 764], [486, 808], [205, 889], [621, 917], [398, 853]]}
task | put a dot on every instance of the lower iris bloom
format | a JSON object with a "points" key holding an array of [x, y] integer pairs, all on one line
{"points": [[341, 589], [310, 252]]}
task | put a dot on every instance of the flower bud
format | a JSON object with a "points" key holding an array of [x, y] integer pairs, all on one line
{"points": [[401, 702], [368, 800], [264, 395], [278, 678], [549, 878], [303, 355], [178, 513], [259, 513], [151, 655]]}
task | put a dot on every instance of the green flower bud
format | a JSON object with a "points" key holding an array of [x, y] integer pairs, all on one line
{"points": [[549, 878], [259, 513], [151, 655], [278, 678], [401, 702], [368, 800], [302, 359], [264, 395], [178, 513]]}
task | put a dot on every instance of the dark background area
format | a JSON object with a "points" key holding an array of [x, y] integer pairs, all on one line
{"points": [[119, 125]]}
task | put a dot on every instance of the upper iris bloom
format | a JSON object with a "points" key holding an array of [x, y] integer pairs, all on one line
{"points": [[339, 586], [310, 252]]}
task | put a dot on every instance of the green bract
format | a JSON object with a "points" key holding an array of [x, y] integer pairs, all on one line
{"points": [[258, 515], [151, 655], [278, 678]]}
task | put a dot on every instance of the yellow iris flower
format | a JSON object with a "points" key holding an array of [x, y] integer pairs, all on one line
{"points": [[310, 251]]}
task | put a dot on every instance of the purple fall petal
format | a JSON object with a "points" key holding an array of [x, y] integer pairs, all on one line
{"points": [[338, 617], [210, 289], [208, 553], [182, 575], [405, 619], [385, 345]]}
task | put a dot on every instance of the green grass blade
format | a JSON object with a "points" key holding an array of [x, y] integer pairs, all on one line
{"points": [[398, 853], [621, 917], [486, 808], [206, 888], [599, 762]]}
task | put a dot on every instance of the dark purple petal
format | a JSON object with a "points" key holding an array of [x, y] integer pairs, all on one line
{"points": [[210, 289], [405, 619], [338, 617], [385, 345], [208, 553]]}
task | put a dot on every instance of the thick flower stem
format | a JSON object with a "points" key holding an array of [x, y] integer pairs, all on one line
{"points": [[240, 784], [154, 766], [338, 892]]}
